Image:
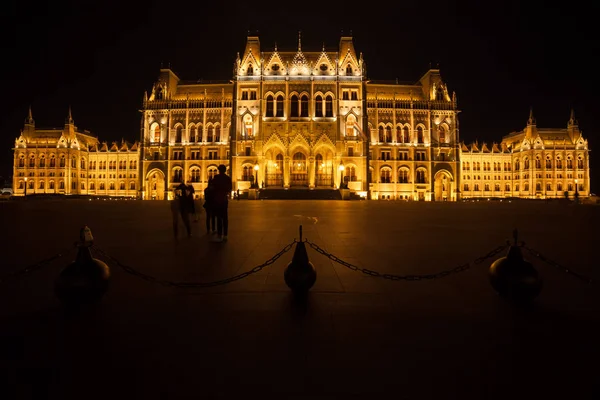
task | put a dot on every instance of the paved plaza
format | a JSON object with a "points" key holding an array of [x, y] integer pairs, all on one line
{"points": [[357, 336]]}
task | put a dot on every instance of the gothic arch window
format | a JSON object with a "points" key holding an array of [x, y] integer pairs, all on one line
{"points": [[270, 101], [559, 187], [526, 186], [350, 174], [74, 162], [111, 186], [548, 163], [329, 106], [61, 185], [82, 163], [51, 185], [102, 187], [122, 186], [386, 175], [559, 162], [212, 172], [380, 132], [318, 106], [569, 163], [439, 94], [195, 174], [348, 69], [157, 133], [210, 135], [31, 161], [178, 134], [420, 138], [538, 163], [442, 134], [517, 165], [131, 185], [526, 163], [248, 125], [294, 106], [42, 161], [388, 134], [21, 161], [403, 175], [280, 106], [92, 186], [279, 161], [62, 161], [193, 133], [177, 175], [41, 184], [217, 133], [250, 70], [304, 106], [398, 134], [421, 176], [159, 93], [579, 163], [476, 187], [406, 135], [299, 162], [350, 122], [247, 173]]}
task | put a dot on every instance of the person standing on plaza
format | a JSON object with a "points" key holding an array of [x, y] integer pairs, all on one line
{"points": [[189, 193], [222, 184], [209, 194], [180, 207]]}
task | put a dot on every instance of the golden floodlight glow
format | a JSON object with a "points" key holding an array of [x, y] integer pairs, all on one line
{"points": [[256, 167]]}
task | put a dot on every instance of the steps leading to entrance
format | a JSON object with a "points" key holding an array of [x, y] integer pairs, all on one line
{"points": [[299, 194]]}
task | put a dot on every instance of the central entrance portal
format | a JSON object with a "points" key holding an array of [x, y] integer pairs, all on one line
{"points": [[299, 170]]}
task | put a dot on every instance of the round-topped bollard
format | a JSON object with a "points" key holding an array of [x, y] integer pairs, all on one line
{"points": [[85, 280], [300, 274], [514, 278]]}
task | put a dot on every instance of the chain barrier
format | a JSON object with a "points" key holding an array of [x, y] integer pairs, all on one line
{"points": [[557, 265], [393, 277], [164, 282], [36, 266]]}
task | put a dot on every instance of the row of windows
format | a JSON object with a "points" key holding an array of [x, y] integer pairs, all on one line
{"points": [[213, 134], [92, 164], [61, 185], [299, 106], [538, 187], [403, 135], [507, 165]]}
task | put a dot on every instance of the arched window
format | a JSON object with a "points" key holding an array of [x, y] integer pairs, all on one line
{"points": [[380, 131], [348, 69], [82, 163], [212, 172], [178, 134], [157, 133], [318, 106], [41, 184], [122, 186], [350, 121], [111, 186], [217, 133], [466, 187], [279, 106], [32, 161], [538, 163], [195, 175], [350, 174], [319, 163], [250, 70], [421, 176], [569, 163], [420, 138], [388, 134], [74, 162], [51, 185], [304, 106], [517, 165], [559, 187], [61, 185], [247, 173], [102, 186], [269, 106], [403, 176], [329, 106], [399, 135], [21, 162], [42, 161], [439, 94], [476, 187], [526, 186], [559, 163], [526, 163], [294, 106], [406, 135], [159, 93], [248, 125], [486, 187], [386, 175], [92, 186], [177, 175], [210, 135], [580, 163], [279, 161], [193, 131], [442, 134], [131, 185]]}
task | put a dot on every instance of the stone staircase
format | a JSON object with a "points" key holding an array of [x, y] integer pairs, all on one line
{"points": [[299, 194]]}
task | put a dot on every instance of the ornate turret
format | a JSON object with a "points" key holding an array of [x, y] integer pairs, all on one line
{"points": [[531, 129], [531, 120], [29, 120], [572, 120], [69, 120], [573, 128]]}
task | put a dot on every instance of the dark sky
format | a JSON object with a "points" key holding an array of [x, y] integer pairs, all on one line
{"points": [[501, 58]]}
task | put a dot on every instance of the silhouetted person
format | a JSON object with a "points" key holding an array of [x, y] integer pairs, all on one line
{"points": [[223, 185], [209, 194], [180, 207], [189, 194]]}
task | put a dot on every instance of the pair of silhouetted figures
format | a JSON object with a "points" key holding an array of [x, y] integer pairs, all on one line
{"points": [[216, 196]]}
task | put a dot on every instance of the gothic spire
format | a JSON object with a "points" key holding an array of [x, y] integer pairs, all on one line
{"points": [[531, 120], [29, 119], [572, 120], [70, 117], [299, 40]]}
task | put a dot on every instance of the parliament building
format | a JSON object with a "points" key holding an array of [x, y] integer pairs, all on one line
{"points": [[307, 120]]}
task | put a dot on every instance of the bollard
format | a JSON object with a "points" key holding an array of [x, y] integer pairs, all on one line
{"points": [[300, 274], [85, 280], [513, 277]]}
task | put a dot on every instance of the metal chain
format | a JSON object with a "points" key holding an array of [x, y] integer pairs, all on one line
{"points": [[36, 266], [164, 282], [392, 277], [557, 265]]}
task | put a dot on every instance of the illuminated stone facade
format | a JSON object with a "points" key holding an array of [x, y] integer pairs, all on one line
{"points": [[311, 119], [533, 163], [69, 162]]}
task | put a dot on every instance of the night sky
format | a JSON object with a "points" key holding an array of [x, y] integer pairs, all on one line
{"points": [[99, 57]]}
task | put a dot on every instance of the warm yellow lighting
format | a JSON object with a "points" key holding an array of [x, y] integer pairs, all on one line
{"points": [[575, 181], [341, 167], [256, 167], [275, 164]]}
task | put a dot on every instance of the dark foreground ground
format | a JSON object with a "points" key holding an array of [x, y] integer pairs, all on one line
{"points": [[358, 336]]}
